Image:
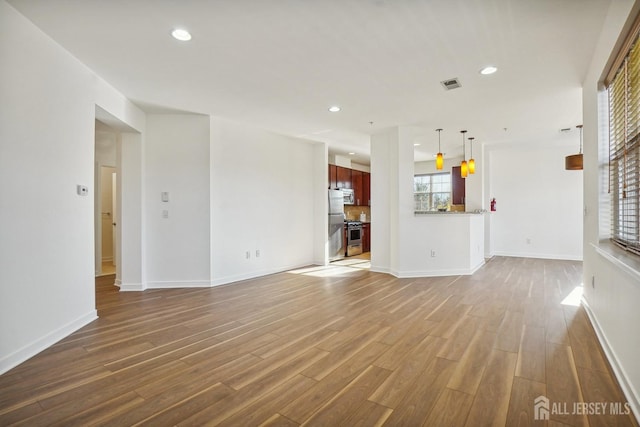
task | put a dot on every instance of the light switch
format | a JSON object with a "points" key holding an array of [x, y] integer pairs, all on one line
{"points": [[165, 196]]}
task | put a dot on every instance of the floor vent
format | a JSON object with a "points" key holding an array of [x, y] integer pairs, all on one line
{"points": [[451, 83]]}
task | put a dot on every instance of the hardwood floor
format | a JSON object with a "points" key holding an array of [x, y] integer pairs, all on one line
{"points": [[326, 346]]}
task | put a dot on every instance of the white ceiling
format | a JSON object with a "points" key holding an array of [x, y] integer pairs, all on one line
{"points": [[280, 64]]}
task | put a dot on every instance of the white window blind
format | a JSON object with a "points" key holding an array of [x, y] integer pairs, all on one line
{"points": [[624, 150]]}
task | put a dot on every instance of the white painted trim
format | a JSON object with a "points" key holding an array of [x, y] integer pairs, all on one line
{"points": [[118, 283], [430, 273], [539, 256], [380, 269], [621, 259], [629, 391], [107, 259], [131, 287], [30, 350], [179, 284], [252, 275]]}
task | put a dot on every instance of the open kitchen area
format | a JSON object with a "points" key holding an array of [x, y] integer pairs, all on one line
{"points": [[349, 195]]}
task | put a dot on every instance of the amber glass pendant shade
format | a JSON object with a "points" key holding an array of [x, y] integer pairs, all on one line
{"points": [[439, 156], [574, 161], [464, 168], [472, 163]]}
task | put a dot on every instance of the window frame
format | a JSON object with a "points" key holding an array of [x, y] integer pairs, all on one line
{"points": [[431, 193], [623, 92]]}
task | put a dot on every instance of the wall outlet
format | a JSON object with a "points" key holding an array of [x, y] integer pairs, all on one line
{"points": [[165, 214], [433, 253], [248, 255], [257, 253], [528, 241], [593, 282]]}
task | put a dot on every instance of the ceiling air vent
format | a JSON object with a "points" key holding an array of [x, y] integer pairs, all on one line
{"points": [[451, 83]]}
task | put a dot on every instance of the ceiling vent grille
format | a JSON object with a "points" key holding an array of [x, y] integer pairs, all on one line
{"points": [[451, 83]]}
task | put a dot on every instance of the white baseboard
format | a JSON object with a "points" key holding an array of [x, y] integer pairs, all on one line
{"points": [[30, 350], [179, 284], [627, 388], [225, 280], [131, 287], [539, 256], [137, 287], [429, 273], [376, 269]]}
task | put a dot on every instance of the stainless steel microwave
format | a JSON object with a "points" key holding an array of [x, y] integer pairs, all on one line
{"points": [[348, 196]]}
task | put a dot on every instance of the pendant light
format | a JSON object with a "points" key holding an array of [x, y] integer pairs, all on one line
{"points": [[439, 156], [574, 162], [464, 168], [472, 163]]}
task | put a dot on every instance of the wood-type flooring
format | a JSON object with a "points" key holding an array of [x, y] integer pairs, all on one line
{"points": [[327, 346]]}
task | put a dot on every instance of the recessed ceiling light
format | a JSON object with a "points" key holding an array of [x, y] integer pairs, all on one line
{"points": [[352, 153], [180, 34], [488, 70], [334, 108], [416, 144]]}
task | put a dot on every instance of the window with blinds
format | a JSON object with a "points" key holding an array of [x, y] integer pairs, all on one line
{"points": [[624, 150]]}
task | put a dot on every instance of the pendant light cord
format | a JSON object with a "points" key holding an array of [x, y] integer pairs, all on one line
{"points": [[580, 127]]}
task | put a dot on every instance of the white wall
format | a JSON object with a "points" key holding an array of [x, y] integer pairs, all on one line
{"points": [[177, 161], [537, 199], [614, 298], [403, 240], [47, 112], [321, 204], [105, 148], [426, 167], [384, 200], [262, 198]]}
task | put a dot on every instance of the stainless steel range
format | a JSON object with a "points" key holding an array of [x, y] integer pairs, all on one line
{"points": [[354, 238]]}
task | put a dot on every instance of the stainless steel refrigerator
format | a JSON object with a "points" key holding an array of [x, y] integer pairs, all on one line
{"points": [[336, 225]]}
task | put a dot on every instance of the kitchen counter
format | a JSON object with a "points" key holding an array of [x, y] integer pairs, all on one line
{"points": [[440, 244], [447, 213]]}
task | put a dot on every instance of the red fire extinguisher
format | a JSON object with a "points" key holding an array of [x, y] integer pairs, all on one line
{"points": [[493, 204]]}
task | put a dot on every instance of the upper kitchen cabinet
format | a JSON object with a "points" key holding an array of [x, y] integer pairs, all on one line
{"points": [[333, 177], [343, 177], [457, 187], [366, 188], [359, 181], [356, 184]]}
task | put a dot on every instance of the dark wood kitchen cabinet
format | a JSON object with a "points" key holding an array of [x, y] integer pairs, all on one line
{"points": [[333, 177], [359, 181], [366, 237], [457, 187], [343, 177], [366, 189], [356, 184]]}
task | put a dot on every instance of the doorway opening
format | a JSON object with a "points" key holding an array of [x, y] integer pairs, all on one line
{"points": [[105, 200]]}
